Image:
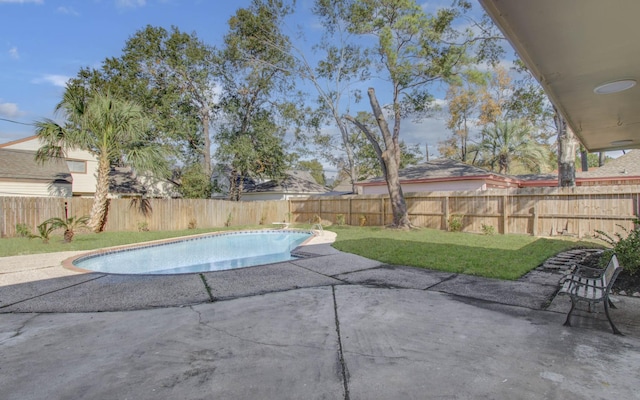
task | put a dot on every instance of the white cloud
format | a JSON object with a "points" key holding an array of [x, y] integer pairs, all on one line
{"points": [[10, 110], [130, 3], [55, 80], [67, 11], [22, 1], [13, 52]]}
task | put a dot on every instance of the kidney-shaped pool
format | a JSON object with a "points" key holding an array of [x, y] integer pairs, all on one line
{"points": [[215, 252]]}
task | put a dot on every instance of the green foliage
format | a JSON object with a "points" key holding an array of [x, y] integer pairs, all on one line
{"points": [[69, 225], [193, 224], [340, 219], [23, 230], [488, 229], [626, 248], [44, 231], [315, 168], [227, 223], [143, 226], [455, 223], [195, 183], [508, 142]]}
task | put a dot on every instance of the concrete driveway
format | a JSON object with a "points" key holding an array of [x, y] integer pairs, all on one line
{"points": [[331, 326]]}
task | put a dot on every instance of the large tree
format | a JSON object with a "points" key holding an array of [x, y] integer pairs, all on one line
{"points": [[111, 129], [172, 75], [257, 101], [413, 50]]}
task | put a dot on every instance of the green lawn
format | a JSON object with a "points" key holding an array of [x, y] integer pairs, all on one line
{"points": [[92, 241], [492, 256]]}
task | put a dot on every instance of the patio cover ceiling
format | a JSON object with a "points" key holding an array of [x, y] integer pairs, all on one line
{"points": [[572, 47]]}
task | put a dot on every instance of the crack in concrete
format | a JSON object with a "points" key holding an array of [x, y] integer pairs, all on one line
{"points": [[244, 339], [52, 291], [343, 363], [207, 288], [22, 326]]}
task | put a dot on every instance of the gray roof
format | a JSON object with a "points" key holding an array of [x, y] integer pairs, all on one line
{"points": [[122, 180], [437, 169], [21, 164], [290, 184], [626, 165]]}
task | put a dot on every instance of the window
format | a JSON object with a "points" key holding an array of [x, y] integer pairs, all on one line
{"points": [[76, 166]]}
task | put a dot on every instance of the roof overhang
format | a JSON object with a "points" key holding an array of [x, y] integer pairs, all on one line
{"points": [[572, 47]]}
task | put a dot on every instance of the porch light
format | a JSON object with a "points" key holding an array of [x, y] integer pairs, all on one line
{"points": [[615, 86]]}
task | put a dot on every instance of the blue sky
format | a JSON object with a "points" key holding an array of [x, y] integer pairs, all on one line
{"points": [[45, 42]]}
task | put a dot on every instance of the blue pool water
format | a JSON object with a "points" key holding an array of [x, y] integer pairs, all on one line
{"points": [[206, 253]]}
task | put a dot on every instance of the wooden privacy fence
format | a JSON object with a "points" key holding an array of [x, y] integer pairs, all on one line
{"points": [[578, 211], [124, 215]]}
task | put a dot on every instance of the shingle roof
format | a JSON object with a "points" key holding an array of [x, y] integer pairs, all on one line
{"points": [[290, 184], [437, 169], [626, 165], [21, 164]]}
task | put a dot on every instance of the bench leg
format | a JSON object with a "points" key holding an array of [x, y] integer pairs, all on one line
{"points": [[567, 322], [611, 303], [606, 311]]}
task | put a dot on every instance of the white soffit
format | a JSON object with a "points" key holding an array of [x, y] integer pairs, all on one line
{"points": [[574, 46]]}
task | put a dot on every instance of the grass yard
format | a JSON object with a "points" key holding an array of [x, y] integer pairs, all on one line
{"points": [[93, 241], [491, 256]]}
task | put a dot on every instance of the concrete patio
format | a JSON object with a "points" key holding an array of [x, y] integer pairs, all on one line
{"points": [[331, 326]]}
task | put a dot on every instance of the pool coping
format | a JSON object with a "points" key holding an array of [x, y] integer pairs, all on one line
{"points": [[313, 239]]}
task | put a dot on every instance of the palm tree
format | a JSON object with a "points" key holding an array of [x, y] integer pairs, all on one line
{"points": [[115, 131], [506, 142]]}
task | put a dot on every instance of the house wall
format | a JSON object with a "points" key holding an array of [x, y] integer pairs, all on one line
{"points": [[83, 183], [34, 189], [469, 185]]}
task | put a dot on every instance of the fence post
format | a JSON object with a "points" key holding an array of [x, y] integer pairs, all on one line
{"points": [[535, 221], [349, 211], [382, 211], [505, 216], [445, 207]]}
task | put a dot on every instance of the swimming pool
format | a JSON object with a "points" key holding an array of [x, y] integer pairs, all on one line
{"points": [[214, 252]]}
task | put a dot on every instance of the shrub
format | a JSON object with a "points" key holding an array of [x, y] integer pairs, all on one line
{"points": [[228, 221], [363, 220], [488, 229], [44, 231], [455, 223], [23, 230], [193, 224], [627, 249], [340, 219], [143, 226], [69, 225]]}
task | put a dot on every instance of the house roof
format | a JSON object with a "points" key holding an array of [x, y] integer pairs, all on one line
{"points": [[122, 180], [573, 47], [290, 184], [441, 169], [21, 164], [626, 165]]}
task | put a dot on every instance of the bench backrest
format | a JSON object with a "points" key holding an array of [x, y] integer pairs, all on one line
{"points": [[611, 272]]}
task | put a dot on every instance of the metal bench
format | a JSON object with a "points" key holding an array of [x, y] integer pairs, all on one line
{"points": [[591, 285]]}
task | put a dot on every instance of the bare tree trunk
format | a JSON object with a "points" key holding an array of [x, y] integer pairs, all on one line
{"points": [[100, 206], [567, 145], [207, 144], [601, 158], [389, 159]]}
